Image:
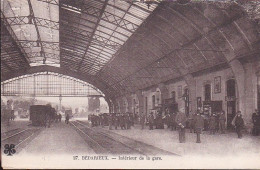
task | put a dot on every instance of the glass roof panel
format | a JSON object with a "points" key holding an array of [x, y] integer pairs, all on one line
{"points": [[127, 17], [46, 17], [91, 30]]}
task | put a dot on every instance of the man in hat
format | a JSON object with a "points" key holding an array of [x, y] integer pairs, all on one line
{"points": [[110, 121], [180, 120], [239, 124], [212, 123], [222, 121], [151, 121], [142, 120], [198, 125]]}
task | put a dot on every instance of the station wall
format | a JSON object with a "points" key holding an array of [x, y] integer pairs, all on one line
{"points": [[221, 76]]}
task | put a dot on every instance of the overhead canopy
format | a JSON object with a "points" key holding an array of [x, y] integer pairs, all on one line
{"points": [[124, 46]]}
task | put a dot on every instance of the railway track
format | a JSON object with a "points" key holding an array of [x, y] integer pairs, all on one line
{"points": [[12, 131], [102, 143], [19, 137], [122, 142]]}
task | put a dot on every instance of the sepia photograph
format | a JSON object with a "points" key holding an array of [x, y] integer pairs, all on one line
{"points": [[130, 84]]}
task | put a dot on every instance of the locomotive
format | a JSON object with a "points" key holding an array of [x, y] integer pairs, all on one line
{"points": [[42, 115]]}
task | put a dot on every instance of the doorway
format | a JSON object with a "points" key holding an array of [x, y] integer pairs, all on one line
{"points": [[187, 101], [231, 102], [258, 93], [207, 92]]}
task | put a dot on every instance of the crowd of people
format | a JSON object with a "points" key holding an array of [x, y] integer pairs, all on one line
{"points": [[195, 122], [123, 121]]}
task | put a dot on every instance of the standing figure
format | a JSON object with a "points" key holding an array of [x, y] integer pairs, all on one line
{"points": [[167, 120], [159, 121], [12, 115], [172, 121], [239, 124], [110, 121], [222, 121], [67, 118], [102, 120], [122, 121], [198, 125], [256, 123], [116, 120], [217, 122], [212, 124], [142, 120], [151, 121], [59, 117], [191, 122], [127, 121], [180, 120], [131, 118]]}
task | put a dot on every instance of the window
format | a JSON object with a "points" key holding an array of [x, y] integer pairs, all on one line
{"points": [[231, 88], [207, 92]]}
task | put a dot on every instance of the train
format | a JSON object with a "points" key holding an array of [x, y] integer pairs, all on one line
{"points": [[42, 115]]}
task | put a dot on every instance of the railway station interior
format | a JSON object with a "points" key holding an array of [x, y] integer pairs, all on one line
{"points": [[134, 57]]}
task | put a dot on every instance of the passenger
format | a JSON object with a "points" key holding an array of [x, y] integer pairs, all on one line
{"points": [[198, 125], [116, 120], [206, 121], [131, 117], [94, 120], [102, 120], [191, 122], [167, 120], [222, 121], [110, 121], [256, 123], [180, 120], [91, 120], [151, 121], [142, 120], [12, 115], [217, 122], [122, 121], [159, 121], [127, 121], [212, 123], [239, 124], [172, 121], [67, 118]]}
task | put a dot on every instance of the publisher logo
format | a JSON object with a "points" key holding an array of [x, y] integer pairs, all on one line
{"points": [[9, 149]]}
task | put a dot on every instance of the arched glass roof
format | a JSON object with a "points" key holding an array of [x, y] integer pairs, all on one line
{"points": [[123, 45], [48, 84]]}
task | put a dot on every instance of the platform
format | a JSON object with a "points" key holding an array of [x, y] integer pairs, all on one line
{"points": [[56, 147], [212, 145], [59, 139]]}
